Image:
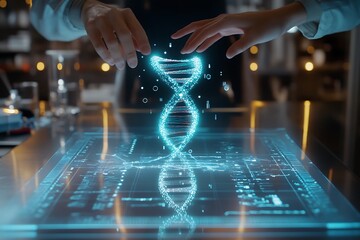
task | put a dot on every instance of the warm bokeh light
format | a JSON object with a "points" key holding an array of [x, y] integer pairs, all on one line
{"points": [[105, 67], [59, 66], [310, 49], [253, 108], [40, 66], [309, 66], [28, 2], [254, 50], [77, 66], [10, 111], [3, 3], [105, 147], [305, 128], [253, 66], [42, 108]]}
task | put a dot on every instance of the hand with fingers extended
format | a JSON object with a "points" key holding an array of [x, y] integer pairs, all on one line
{"points": [[254, 28], [115, 33]]}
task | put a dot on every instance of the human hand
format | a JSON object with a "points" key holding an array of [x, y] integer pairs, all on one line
{"points": [[115, 33], [254, 28]]}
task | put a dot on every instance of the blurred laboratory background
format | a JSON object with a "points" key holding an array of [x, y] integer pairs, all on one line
{"points": [[287, 70]]}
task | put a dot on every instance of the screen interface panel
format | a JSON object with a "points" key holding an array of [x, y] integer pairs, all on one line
{"points": [[241, 180]]}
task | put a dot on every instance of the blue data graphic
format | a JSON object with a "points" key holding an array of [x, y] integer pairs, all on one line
{"points": [[225, 181]]}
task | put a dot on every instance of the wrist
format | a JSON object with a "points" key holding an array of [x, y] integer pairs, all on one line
{"points": [[291, 15], [88, 4], [75, 10]]}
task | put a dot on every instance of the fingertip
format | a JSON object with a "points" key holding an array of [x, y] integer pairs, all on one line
{"points": [[231, 54], [146, 50], [176, 35], [132, 63], [120, 66], [184, 51]]}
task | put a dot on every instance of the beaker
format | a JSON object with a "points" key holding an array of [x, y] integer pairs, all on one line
{"points": [[64, 97]]}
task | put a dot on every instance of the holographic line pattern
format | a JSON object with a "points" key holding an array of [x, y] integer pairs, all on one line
{"points": [[178, 122]]}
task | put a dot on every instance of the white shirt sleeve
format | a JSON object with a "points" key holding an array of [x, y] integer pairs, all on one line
{"points": [[329, 16], [58, 19]]}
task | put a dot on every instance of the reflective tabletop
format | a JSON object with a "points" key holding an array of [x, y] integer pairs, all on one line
{"points": [[253, 172]]}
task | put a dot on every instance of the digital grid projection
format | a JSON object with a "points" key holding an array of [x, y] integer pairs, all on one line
{"points": [[178, 122]]}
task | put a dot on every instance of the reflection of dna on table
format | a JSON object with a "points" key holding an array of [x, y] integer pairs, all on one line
{"points": [[178, 122]]}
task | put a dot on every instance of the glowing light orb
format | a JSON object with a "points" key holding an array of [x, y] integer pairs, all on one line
{"points": [[309, 66]]}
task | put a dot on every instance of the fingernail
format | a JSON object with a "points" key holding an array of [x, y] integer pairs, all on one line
{"points": [[120, 66], [132, 63]]}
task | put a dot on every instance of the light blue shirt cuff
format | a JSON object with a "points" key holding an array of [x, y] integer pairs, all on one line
{"points": [[313, 11], [75, 14]]}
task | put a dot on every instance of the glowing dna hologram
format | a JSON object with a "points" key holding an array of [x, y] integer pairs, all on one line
{"points": [[180, 117], [178, 122]]}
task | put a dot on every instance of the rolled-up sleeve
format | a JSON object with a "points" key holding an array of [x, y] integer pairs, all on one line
{"points": [[58, 19], [329, 16]]}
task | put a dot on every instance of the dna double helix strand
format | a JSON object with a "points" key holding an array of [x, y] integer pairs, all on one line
{"points": [[178, 122]]}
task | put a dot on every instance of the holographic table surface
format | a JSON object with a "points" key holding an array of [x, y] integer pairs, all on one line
{"points": [[246, 183]]}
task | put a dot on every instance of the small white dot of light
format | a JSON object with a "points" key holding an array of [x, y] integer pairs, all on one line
{"points": [[142, 56], [180, 95], [160, 99], [215, 116], [157, 80], [202, 210], [139, 76], [141, 88], [226, 87], [61, 59], [163, 147], [144, 70], [165, 52], [154, 44], [180, 173], [170, 45], [199, 96], [209, 66]]}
